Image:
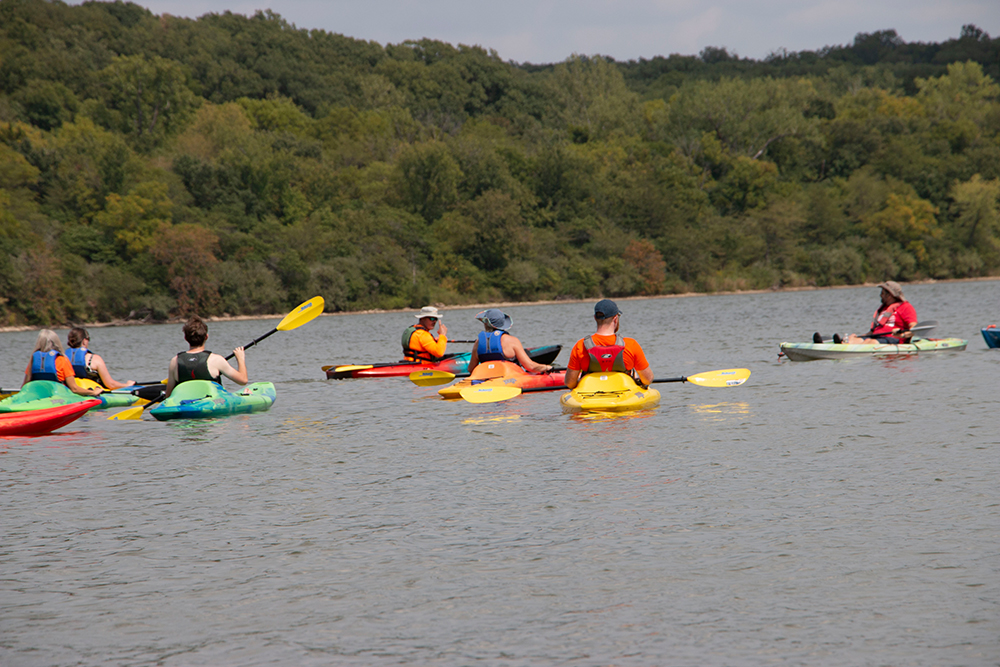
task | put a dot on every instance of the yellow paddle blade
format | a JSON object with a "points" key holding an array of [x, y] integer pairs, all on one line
{"points": [[730, 377], [481, 394], [304, 312], [135, 412], [344, 369], [431, 378], [87, 383]]}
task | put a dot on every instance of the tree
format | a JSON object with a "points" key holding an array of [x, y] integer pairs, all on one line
{"points": [[146, 98]]}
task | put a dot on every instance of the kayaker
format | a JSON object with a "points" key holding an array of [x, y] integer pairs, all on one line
{"points": [[200, 364], [892, 321], [496, 344], [49, 363], [87, 364], [606, 350], [419, 341]]}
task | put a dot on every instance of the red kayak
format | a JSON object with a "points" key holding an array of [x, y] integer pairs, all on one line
{"points": [[455, 363], [505, 374], [46, 420]]}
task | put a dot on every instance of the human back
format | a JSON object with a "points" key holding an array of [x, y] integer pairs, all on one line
{"points": [[606, 350], [49, 362], [495, 343], [197, 363]]}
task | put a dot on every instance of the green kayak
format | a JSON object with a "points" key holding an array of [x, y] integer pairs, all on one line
{"points": [[198, 399], [39, 395], [42, 394]]}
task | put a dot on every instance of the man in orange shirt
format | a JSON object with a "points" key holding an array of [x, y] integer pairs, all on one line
{"points": [[606, 350], [419, 344]]}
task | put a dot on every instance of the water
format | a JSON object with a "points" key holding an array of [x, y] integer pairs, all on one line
{"points": [[824, 513]]}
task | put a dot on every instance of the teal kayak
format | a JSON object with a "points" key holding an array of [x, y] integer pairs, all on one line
{"points": [[199, 399], [39, 395]]}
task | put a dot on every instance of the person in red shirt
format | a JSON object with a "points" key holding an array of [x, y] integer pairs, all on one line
{"points": [[892, 321], [49, 363], [605, 350]]}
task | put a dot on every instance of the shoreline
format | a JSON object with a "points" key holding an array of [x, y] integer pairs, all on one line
{"points": [[685, 295]]}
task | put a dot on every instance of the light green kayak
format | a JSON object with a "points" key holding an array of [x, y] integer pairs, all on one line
{"points": [[198, 399], [813, 351]]}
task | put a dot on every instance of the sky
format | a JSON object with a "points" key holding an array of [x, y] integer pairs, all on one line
{"points": [[548, 31]]}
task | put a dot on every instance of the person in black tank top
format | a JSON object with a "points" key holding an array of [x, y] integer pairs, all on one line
{"points": [[200, 364]]}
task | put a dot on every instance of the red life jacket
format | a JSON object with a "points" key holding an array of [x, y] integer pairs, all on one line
{"points": [[606, 357], [884, 322]]}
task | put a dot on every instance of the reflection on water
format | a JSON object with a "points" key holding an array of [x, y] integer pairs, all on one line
{"points": [[823, 513], [717, 412]]}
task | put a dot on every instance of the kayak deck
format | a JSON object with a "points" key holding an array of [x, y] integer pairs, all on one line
{"points": [[609, 392], [45, 420], [816, 351], [504, 374], [39, 395], [457, 363], [200, 399], [991, 335]]}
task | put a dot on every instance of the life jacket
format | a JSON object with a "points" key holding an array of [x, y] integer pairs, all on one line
{"points": [[78, 357], [194, 367], [606, 357], [43, 366], [886, 319], [411, 354], [489, 346]]}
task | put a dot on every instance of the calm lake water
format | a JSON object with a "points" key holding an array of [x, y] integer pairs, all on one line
{"points": [[824, 513]]}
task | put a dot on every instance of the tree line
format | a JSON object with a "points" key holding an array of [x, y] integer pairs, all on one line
{"points": [[154, 166]]}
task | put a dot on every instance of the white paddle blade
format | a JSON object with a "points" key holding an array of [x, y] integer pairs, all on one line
{"points": [[481, 394]]}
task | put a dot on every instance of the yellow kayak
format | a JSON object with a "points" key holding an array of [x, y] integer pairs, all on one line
{"points": [[609, 392]]}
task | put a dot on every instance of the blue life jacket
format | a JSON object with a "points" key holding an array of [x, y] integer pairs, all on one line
{"points": [[43, 366], [78, 357], [195, 367], [489, 346]]}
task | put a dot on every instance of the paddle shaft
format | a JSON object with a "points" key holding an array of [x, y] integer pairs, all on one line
{"points": [[253, 342]]}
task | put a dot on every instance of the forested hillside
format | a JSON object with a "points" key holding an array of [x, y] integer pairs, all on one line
{"points": [[153, 166]]}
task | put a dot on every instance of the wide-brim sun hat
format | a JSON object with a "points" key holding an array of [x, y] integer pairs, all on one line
{"points": [[893, 288], [429, 311], [497, 319]]}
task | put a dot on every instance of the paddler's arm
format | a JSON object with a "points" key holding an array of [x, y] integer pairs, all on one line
{"points": [[474, 359], [424, 341], [527, 363], [573, 377], [171, 378], [645, 376], [239, 376]]}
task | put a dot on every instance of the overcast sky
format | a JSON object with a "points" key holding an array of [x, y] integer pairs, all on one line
{"points": [[546, 31]]}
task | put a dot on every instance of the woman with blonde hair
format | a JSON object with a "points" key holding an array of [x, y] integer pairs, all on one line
{"points": [[49, 363], [87, 364]]}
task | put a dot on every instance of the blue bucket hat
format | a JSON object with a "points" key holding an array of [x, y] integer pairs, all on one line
{"points": [[605, 309], [496, 318]]}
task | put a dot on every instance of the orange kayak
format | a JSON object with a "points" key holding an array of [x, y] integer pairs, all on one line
{"points": [[505, 374]]}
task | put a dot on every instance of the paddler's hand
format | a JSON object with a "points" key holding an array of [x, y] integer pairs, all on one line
{"points": [[97, 391], [240, 355], [442, 329]]}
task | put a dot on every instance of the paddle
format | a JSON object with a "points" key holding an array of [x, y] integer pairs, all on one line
{"points": [[432, 378], [729, 377], [303, 313], [919, 327]]}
